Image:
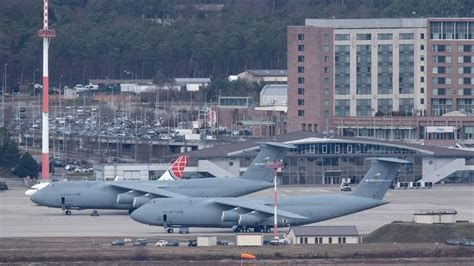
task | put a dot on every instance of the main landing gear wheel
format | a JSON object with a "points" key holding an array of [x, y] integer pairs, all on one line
{"points": [[67, 212], [170, 230]]}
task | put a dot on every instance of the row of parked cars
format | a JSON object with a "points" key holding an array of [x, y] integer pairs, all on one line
{"points": [[160, 243]]}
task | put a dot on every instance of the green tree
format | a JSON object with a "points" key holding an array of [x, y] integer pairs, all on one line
{"points": [[9, 151], [27, 166]]}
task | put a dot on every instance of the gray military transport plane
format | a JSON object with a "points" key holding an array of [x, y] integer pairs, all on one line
{"points": [[242, 214], [131, 194]]}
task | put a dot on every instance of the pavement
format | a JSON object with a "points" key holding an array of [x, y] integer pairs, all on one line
{"points": [[22, 218]]}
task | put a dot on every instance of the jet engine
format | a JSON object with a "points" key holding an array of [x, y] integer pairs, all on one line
{"points": [[127, 197], [140, 201], [231, 215], [251, 219]]}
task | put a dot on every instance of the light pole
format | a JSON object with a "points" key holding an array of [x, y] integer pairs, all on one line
{"points": [[3, 94]]}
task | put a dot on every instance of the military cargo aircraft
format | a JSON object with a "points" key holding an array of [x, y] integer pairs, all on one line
{"points": [[131, 194], [174, 172], [243, 214]]}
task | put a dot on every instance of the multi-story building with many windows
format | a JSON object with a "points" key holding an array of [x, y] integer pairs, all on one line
{"points": [[384, 78]]}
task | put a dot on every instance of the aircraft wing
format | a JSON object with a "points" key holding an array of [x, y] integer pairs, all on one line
{"points": [[254, 206], [137, 186]]}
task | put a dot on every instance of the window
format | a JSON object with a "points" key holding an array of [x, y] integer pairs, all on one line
{"points": [[441, 59], [362, 37], [342, 37], [385, 36], [330, 240], [341, 107], [300, 101], [326, 91], [465, 92], [300, 80], [325, 70], [441, 48], [465, 70], [326, 102], [300, 112], [300, 69], [422, 58], [326, 59], [326, 37], [326, 48], [465, 48], [326, 80], [465, 59], [300, 91], [422, 101], [422, 68], [300, 47], [441, 91], [406, 36], [422, 79], [422, 47], [300, 58], [324, 149], [300, 37], [422, 36], [422, 90]]}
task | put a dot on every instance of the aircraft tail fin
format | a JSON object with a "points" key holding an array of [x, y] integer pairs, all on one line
{"points": [[378, 179], [175, 171], [270, 152]]}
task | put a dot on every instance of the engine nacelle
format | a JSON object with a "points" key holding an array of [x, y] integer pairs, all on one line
{"points": [[231, 215], [250, 219], [127, 197], [140, 201]]}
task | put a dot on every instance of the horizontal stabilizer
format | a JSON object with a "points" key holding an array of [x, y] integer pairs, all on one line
{"points": [[270, 152], [378, 179]]}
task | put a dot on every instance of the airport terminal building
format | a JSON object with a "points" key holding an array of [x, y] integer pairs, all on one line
{"points": [[320, 159]]}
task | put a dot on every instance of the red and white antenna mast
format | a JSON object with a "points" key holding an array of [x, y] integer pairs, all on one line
{"points": [[277, 167], [46, 34]]}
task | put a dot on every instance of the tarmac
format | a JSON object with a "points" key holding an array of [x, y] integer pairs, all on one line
{"points": [[22, 218]]}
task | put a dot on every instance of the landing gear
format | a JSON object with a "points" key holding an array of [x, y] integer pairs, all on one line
{"points": [[184, 230], [67, 212], [268, 228], [240, 229], [169, 230], [95, 213], [130, 211]]}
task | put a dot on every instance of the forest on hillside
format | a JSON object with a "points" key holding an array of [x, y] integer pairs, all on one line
{"points": [[163, 39]]}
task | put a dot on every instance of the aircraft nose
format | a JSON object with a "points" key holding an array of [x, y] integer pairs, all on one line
{"points": [[142, 215], [36, 198]]}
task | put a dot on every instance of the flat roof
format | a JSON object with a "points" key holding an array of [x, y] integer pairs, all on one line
{"points": [[268, 72], [325, 230], [368, 23], [303, 137]]}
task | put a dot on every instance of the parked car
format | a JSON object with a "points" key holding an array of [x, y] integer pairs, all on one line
{"points": [[172, 243], [118, 242], [453, 242], [140, 242], [346, 187], [277, 242], [192, 243], [222, 242], [3, 185], [161, 243]]}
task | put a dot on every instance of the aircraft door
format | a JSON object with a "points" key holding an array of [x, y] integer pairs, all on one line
{"points": [[165, 220]]}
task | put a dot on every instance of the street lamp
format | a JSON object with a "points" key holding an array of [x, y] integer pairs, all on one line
{"points": [[3, 94]]}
